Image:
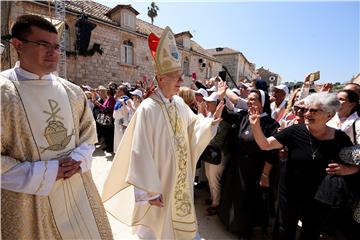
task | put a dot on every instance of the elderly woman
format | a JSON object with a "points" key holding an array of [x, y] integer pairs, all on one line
{"points": [[245, 191], [313, 154]]}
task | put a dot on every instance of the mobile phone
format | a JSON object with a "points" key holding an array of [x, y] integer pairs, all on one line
{"points": [[314, 76]]}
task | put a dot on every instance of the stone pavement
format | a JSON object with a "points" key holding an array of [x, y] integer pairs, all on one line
{"points": [[209, 227]]}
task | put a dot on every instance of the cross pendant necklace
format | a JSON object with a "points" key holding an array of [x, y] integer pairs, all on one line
{"points": [[313, 152]]}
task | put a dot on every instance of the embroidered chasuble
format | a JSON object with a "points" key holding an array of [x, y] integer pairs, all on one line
{"points": [[45, 121], [158, 154]]}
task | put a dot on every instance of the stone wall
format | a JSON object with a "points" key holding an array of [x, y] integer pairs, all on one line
{"points": [[101, 69], [231, 62]]}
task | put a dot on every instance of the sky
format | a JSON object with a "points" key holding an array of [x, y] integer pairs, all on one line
{"points": [[289, 38]]}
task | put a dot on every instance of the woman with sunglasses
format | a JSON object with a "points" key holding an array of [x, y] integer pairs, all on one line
{"points": [[313, 155], [297, 112]]}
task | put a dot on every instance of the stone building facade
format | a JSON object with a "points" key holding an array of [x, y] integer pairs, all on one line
{"points": [[236, 63], [122, 38], [271, 78]]}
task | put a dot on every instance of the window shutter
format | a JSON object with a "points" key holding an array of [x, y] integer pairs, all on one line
{"points": [[130, 55], [131, 21], [123, 49]]}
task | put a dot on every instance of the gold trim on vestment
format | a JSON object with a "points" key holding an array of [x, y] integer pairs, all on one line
{"points": [[66, 208], [27, 118], [184, 222], [72, 207], [78, 209], [133, 223], [190, 231], [43, 179]]}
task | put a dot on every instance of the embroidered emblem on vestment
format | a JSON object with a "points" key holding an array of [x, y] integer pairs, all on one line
{"points": [[55, 132]]}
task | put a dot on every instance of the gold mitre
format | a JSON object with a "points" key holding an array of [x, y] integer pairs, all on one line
{"points": [[165, 52]]}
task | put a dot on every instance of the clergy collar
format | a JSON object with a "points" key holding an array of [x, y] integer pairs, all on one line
{"points": [[23, 74]]}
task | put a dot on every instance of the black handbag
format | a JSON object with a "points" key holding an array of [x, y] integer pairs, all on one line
{"points": [[211, 154]]}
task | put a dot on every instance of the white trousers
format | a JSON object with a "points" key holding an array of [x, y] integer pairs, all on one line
{"points": [[213, 174]]}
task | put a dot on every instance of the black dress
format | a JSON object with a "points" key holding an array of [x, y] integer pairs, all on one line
{"points": [[300, 179], [244, 204]]}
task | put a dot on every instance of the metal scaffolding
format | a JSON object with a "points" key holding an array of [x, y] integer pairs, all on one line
{"points": [[60, 12]]}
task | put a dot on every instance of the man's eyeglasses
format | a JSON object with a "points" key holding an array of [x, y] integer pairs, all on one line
{"points": [[45, 45]]}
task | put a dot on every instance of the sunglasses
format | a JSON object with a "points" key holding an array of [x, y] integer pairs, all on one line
{"points": [[312, 110], [298, 109], [305, 110]]}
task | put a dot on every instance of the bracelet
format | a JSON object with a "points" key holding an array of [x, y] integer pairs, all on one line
{"points": [[265, 175]]}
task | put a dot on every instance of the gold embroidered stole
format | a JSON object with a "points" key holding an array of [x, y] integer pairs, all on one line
{"points": [[50, 118], [183, 210]]}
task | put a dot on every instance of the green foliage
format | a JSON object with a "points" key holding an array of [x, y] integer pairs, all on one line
{"points": [[152, 11]]}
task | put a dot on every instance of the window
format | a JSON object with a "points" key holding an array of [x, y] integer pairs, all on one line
{"points": [[128, 20], [127, 52], [186, 43], [186, 67]]}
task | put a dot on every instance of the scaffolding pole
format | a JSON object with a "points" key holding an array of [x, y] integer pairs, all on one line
{"points": [[60, 12]]}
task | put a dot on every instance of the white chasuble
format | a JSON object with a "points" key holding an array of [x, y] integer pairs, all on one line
{"points": [[51, 122], [182, 211], [158, 154]]}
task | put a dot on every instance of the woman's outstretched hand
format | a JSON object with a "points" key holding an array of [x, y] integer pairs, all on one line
{"points": [[254, 116]]}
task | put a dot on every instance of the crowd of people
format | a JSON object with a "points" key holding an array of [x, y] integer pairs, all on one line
{"points": [[112, 107], [282, 160], [252, 183]]}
